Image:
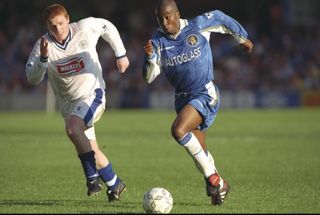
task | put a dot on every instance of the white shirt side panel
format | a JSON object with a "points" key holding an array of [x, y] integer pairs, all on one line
{"points": [[153, 70], [223, 30]]}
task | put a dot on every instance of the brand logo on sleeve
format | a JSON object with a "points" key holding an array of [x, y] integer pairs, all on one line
{"points": [[167, 48], [74, 65], [209, 15]]}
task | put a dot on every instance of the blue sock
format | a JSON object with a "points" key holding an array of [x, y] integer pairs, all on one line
{"points": [[185, 139], [109, 177], [89, 164]]}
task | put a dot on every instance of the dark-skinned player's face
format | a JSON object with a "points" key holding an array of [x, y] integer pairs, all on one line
{"points": [[169, 19]]}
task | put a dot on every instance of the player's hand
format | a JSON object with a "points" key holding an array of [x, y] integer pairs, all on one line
{"points": [[247, 46], [122, 64], [44, 47], [148, 49]]}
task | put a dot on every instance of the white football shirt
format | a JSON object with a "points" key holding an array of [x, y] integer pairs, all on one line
{"points": [[73, 68]]}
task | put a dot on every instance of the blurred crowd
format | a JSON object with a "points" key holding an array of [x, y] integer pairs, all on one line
{"points": [[286, 56]]}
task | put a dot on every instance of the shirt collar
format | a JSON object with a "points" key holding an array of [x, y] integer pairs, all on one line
{"points": [[65, 43]]}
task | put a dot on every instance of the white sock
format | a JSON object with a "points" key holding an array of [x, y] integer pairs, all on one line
{"points": [[221, 183], [191, 143], [211, 160]]}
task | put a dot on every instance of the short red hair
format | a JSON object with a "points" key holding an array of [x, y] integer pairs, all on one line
{"points": [[54, 10]]}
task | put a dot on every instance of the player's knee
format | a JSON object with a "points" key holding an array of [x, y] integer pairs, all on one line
{"points": [[73, 130], [74, 127], [177, 132]]}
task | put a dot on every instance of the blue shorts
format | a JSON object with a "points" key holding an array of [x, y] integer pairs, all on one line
{"points": [[206, 103]]}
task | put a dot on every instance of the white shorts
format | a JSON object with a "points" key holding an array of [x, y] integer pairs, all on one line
{"points": [[90, 109]]}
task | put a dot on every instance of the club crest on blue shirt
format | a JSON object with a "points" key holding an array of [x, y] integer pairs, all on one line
{"points": [[192, 40]]}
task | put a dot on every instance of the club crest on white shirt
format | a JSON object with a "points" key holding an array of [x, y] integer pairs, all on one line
{"points": [[83, 44]]}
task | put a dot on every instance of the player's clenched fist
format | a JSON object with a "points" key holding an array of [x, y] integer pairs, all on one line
{"points": [[122, 64], [247, 46], [43, 47], [148, 48]]}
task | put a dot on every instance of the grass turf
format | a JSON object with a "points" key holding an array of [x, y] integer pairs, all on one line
{"points": [[269, 157]]}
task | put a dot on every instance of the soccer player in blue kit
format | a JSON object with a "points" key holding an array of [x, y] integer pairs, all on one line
{"points": [[180, 48]]}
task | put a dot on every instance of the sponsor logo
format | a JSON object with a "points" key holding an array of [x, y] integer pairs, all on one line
{"points": [[184, 57], [74, 65]]}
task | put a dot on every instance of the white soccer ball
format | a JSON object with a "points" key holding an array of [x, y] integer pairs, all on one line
{"points": [[157, 200]]}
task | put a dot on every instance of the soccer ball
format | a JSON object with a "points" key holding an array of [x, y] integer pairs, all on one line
{"points": [[157, 200]]}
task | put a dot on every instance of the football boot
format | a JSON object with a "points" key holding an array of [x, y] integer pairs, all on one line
{"points": [[94, 186], [115, 194]]}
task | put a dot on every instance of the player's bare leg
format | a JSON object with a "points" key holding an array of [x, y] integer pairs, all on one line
{"points": [[75, 129], [101, 159], [114, 184], [224, 187], [187, 120], [94, 162]]}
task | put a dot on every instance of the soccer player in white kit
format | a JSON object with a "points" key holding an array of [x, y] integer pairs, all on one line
{"points": [[67, 54]]}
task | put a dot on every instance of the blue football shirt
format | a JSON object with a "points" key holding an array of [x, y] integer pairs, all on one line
{"points": [[186, 58]]}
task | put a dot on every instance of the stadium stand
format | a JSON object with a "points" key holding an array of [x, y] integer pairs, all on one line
{"points": [[284, 69]]}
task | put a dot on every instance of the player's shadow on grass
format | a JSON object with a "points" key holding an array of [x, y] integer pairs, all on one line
{"points": [[43, 202], [117, 204], [82, 206]]}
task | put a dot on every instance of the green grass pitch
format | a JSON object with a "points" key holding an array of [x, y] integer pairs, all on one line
{"points": [[270, 157]]}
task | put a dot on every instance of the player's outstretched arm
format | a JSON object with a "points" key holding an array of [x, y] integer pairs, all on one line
{"points": [[247, 46]]}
